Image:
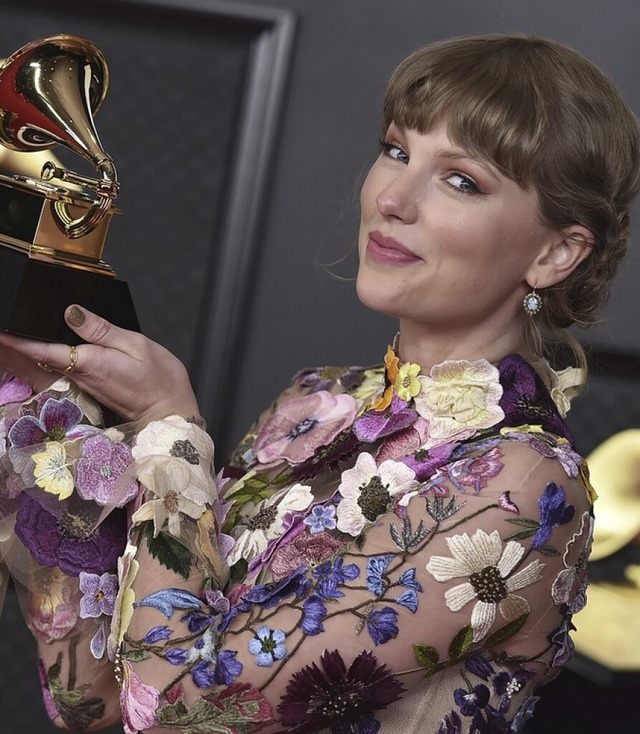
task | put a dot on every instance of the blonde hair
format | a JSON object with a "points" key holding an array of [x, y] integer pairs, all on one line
{"points": [[550, 120]]}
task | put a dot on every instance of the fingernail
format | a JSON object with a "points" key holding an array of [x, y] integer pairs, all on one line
{"points": [[75, 316]]}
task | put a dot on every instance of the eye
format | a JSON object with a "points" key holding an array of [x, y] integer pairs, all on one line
{"points": [[463, 184], [393, 150]]}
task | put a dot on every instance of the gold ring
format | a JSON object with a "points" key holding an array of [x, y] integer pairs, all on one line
{"points": [[73, 358], [44, 366]]}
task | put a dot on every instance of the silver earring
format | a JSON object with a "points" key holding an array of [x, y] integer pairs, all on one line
{"points": [[532, 303]]}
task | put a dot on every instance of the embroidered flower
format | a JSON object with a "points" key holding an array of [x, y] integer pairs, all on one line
{"points": [[368, 491], [491, 580], [170, 482], [374, 424], [100, 469], [268, 646], [59, 419], [571, 583], [332, 574], [382, 625], [53, 606], [324, 378], [407, 384], [67, 541], [99, 594], [340, 699], [314, 611], [301, 425], [553, 512], [304, 550], [138, 702], [125, 599], [474, 473], [565, 386], [391, 371], [13, 390], [321, 518], [267, 522], [51, 470], [458, 399]]}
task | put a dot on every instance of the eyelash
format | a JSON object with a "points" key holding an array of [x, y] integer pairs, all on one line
{"points": [[473, 190]]}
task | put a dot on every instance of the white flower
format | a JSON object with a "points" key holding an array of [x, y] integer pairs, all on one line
{"points": [[368, 490], [488, 566], [267, 522], [565, 385], [458, 399], [171, 482]]}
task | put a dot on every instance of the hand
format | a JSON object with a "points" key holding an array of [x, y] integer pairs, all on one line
{"points": [[136, 378]]}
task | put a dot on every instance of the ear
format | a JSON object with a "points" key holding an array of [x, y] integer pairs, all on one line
{"points": [[560, 255]]}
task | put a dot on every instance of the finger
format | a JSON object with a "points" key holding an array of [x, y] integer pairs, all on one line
{"points": [[48, 357], [96, 330]]}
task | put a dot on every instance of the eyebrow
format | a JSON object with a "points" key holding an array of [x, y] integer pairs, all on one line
{"points": [[454, 155]]}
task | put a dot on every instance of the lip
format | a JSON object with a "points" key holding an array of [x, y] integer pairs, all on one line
{"points": [[388, 250]]}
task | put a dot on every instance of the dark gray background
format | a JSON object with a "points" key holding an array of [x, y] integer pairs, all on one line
{"points": [[297, 314]]}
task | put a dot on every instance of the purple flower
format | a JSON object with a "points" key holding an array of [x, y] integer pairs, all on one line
{"points": [[271, 594], [314, 611], [409, 581], [474, 473], [98, 473], [382, 625], [408, 599], [59, 419], [332, 573], [426, 462], [13, 390], [333, 697], [451, 724], [525, 713], [300, 426], [473, 701], [479, 666], [324, 378], [373, 424], [158, 633], [267, 645], [197, 620], [67, 542], [227, 667], [376, 567], [99, 594], [203, 676], [321, 518], [553, 512], [525, 399], [176, 656]]}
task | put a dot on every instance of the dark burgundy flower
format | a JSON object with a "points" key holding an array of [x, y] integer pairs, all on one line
{"points": [[336, 698], [67, 542]]}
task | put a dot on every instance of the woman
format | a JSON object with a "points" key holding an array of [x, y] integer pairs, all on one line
{"points": [[397, 548]]}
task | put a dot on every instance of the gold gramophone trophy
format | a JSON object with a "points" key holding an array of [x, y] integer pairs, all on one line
{"points": [[53, 227]]}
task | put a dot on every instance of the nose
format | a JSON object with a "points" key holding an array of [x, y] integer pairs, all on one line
{"points": [[398, 199]]}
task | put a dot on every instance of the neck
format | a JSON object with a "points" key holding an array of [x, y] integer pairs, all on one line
{"points": [[429, 346]]}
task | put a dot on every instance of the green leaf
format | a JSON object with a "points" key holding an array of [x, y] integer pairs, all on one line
{"points": [[169, 552], [135, 656], [520, 535], [525, 523], [461, 642], [77, 712], [426, 656], [506, 632], [547, 550]]}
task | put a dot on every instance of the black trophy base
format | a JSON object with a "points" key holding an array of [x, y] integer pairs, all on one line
{"points": [[35, 294]]}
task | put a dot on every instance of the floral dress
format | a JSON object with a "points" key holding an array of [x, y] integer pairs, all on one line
{"points": [[387, 550]]}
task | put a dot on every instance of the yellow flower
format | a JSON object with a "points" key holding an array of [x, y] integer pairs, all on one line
{"points": [[407, 383], [51, 470]]}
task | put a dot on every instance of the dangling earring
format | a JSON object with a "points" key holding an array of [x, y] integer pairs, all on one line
{"points": [[532, 303]]}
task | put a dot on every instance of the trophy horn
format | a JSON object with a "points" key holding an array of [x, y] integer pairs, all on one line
{"points": [[49, 91]]}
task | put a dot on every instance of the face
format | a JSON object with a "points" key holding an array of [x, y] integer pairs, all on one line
{"points": [[446, 241]]}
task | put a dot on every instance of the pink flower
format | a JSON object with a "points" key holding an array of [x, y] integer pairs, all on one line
{"points": [[305, 549], [299, 426], [138, 702]]}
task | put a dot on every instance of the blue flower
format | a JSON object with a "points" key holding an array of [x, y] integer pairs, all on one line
{"points": [[382, 625], [451, 724], [408, 599], [271, 594], [227, 667], [332, 573], [197, 621], [553, 512], [176, 656], [473, 701], [267, 646], [479, 666], [314, 611], [409, 581], [155, 634], [321, 518], [376, 566], [202, 675], [167, 600]]}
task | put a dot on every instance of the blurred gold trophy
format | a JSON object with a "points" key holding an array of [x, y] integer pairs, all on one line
{"points": [[53, 226]]}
